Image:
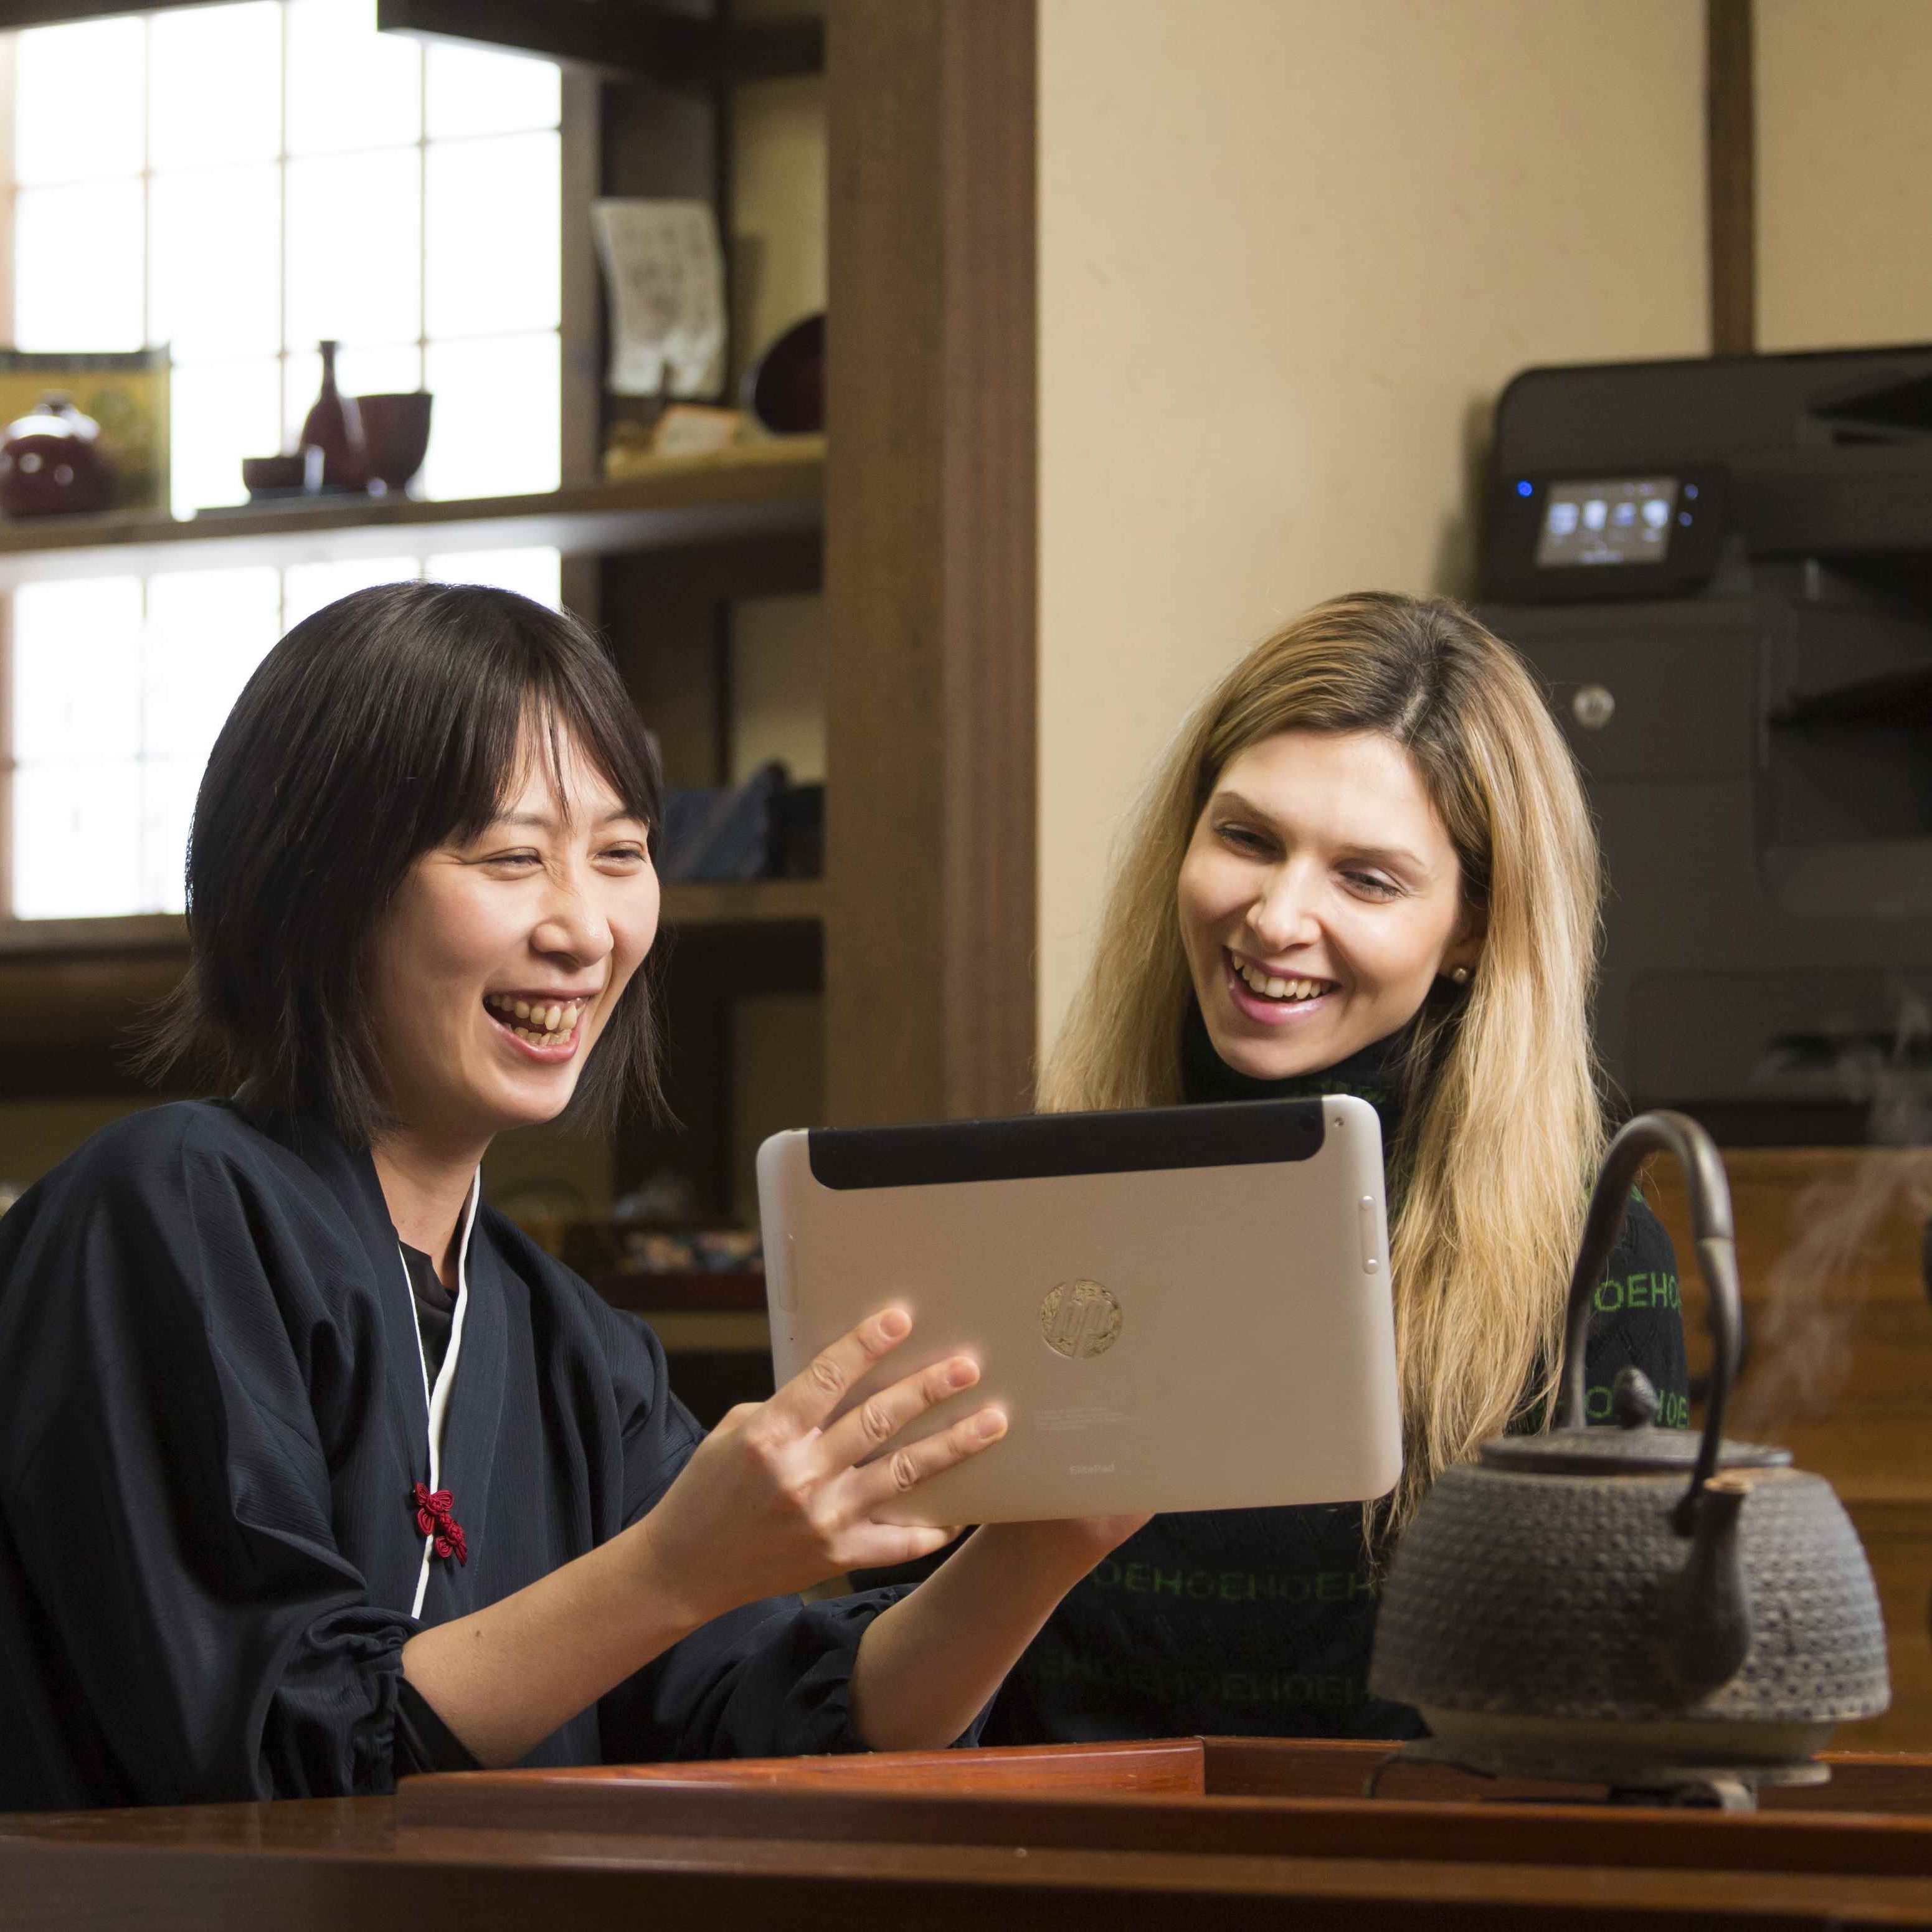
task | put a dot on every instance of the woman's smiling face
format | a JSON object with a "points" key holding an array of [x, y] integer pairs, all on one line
{"points": [[1319, 898], [497, 965]]}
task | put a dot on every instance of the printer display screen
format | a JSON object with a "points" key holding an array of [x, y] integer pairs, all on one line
{"points": [[1620, 520]]}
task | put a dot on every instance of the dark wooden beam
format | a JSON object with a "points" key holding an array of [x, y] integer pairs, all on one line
{"points": [[1731, 131], [930, 559], [662, 616], [619, 38], [14, 14], [69, 1022], [702, 972]]}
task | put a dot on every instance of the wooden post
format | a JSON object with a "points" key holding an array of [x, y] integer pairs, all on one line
{"points": [[931, 558], [1731, 130]]}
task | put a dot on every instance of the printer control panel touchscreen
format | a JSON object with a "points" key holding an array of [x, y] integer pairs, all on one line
{"points": [[1626, 521], [1558, 539]]}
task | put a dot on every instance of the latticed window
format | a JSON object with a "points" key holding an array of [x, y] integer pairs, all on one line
{"points": [[239, 182]]}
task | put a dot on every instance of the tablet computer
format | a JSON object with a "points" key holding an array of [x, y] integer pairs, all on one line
{"points": [[1178, 1308]]}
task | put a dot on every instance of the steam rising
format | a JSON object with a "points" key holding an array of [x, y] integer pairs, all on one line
{"points": [[1800, 1338]]}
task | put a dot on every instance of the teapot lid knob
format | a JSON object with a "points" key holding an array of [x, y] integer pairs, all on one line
{"points": [[1633, 1399]]}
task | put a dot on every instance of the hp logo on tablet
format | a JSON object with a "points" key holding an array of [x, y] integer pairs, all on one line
{"points": [[1079, 1319]]}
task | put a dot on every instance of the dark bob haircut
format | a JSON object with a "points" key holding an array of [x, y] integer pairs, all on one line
{"points": [[387, 724]]}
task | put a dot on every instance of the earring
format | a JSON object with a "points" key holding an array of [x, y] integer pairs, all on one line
{"points": [[1460, 974]]}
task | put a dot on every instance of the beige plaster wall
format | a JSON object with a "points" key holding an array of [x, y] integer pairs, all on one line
{"points": [[778, 209], [778, 647], [1289, 251], [1844, 173]]}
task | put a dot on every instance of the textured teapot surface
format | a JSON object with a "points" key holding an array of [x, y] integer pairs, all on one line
{"points": [[1698, 1595], [1555, 1596]]}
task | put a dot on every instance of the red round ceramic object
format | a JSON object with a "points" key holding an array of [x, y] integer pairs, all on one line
{"points": [[786, 391], [51, 464]]}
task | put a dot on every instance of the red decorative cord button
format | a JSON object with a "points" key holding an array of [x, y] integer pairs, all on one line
{"points": [[433, 1519]]}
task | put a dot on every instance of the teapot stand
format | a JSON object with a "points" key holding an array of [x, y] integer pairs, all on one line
{"points": [[1728, 1787]]}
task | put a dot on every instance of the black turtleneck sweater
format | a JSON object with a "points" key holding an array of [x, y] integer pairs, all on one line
{"points": [[1261, 1622]]}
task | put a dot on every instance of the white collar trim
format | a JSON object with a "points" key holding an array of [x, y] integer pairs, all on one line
{"points": [[438, 1397]]}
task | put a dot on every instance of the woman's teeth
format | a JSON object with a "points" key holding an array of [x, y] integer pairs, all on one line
{"points": [[542, 1024], [1271, 987]]}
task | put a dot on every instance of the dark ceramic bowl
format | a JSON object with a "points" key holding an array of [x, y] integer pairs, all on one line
{"points": [[395, 433], [273, 475]]}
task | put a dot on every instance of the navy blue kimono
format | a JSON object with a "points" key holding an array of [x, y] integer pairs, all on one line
{"points": [[214, 1417]]}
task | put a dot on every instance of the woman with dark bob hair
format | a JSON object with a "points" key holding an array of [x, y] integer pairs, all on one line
{"points": [[314, 1470]]}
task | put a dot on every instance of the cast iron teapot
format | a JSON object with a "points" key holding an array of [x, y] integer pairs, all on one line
{"points": [[1630, 1605]]}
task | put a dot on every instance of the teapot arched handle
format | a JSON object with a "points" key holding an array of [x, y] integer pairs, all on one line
{"points": [[1717, 1260]]}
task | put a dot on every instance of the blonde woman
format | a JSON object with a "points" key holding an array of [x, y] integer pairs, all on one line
{"points": [[1366, 867]]}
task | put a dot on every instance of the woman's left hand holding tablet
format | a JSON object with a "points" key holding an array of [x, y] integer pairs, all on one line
{"points": [[780, 1496]]}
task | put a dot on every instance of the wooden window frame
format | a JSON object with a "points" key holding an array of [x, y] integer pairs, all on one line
{"points": [[579, 376]]}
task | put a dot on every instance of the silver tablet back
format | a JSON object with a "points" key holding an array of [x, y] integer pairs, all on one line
{"points": [[1177, 1309]]}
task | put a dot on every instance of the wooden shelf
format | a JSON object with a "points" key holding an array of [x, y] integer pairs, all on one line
{"points": [[756, 489], [70, 989], [139, 932], [653, 43], [694, 904], [735, 1292], [713, 1332], [734, 1324], [698, 904]]}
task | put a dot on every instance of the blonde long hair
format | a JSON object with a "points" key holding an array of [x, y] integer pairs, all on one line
{"points": [[1503, 1128]]}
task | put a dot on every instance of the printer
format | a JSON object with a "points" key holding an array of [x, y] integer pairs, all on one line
{"points": [[1722, 569]]}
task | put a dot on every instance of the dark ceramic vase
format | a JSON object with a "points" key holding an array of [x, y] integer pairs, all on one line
{"points": [[51, 464], [334, 426]]}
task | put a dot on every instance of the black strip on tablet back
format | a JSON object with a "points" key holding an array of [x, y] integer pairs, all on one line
{"points": [[1040, 1146]]}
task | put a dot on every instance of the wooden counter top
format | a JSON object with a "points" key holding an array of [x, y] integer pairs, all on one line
{"points": [[1230, 1832]]}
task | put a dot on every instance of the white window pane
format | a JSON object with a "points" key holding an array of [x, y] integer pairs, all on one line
{"points": [[76, 683], [215, 86], [495, 431], [77, 267], [207, 630], [167, 810], [78, 100], [214, 237], [76, 840], [221, 412], [354, 247], [386, 370], [534, 572], [307, 588], [472, 90], [349, 86], [491, 236]]}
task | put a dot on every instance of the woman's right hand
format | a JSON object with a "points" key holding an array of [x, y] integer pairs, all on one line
{"points": [[774, 1500]]}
